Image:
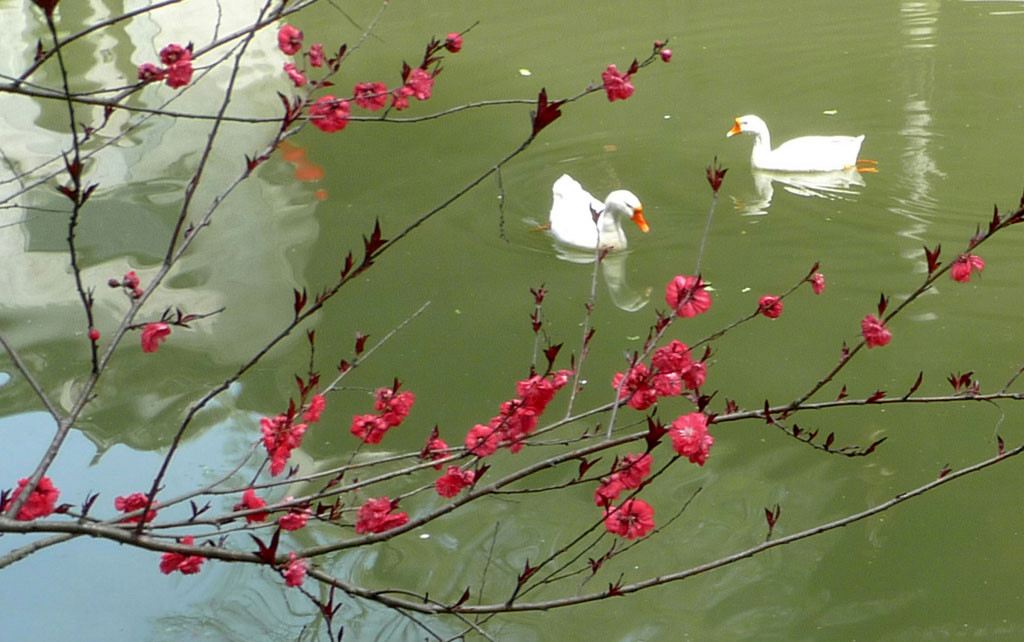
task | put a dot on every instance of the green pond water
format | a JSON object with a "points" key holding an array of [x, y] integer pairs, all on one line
{"points": [[936, 88]]}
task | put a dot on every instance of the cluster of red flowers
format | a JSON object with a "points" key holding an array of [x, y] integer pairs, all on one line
{"points": [[392, 408], [627, 474], [453, 481], [874, 331], [518, 417], [40, 502], [281, 435], [187, 564], [330, 113], [671, 370], [132, 503], [376, 516], [177, 71]]}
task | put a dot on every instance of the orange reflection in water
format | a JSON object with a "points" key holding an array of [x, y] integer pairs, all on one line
{"points": [[305, 169]]}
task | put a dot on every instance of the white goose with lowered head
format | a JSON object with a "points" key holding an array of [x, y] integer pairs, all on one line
{"points": [[572, 215], [804, 154]]}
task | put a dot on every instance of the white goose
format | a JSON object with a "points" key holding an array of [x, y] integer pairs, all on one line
{"points": [[804, 154], [572, 215]]}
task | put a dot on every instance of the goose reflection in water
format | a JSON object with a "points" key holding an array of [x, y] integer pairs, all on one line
{"points": [[836, 185], [613, 273]]}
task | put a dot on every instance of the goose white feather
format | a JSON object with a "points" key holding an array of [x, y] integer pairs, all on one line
{"points": [[573, 210], [804, 154]]}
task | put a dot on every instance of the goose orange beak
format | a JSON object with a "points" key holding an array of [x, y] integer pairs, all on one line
{"points": [[638, 218], [735, 129]]}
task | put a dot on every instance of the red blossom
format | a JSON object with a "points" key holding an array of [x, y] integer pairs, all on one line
{"points": [[637, 388], [289, 40], [329, 114], [818, 283], [280, 438], [40, 502], [316, 406], [695, 375], [132, 503], [294, 74], [434, 450], [375, 516], [250, 501], [453, 42], [369, 428], [453, 481], [295, 570], [153, 334], [616, 84], [770, 306], [634, 519], [874, 331], [294, 519], [632, 469], [690, 437], [94, 335], [421, 82], [400, 97], [371, 95], [392, 405], [173, 54], [687, 296], [187, 564], [666, 55], [482, 440], [674, 357], [608, 490], [148, 72], [964, 265], [316, 55], [179, 74]]}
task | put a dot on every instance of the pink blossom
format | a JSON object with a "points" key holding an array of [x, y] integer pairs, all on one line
{"points": [[375, 516], [40, 502], [690, 437], [148, 72], [316, 406], [818, 283], [874, 331], [964, 265], [695, 375], [132, 503], [400, 97], [294, 74], [280, 438], [130, 280], [434, 450], [295, 570], [173, 54], [673, 357], [371, 95], [482, 440], [94, 334], [666, 55], [421, 82], [453, 481], [329, 114], [294, 519], [179, 74], [153, 334], [369, 428], [289, 40], [316, 55], [616, 84], [635, 518], [560, 378], [392, 405], [637, 388], [608, 490], [770, 306], [453, 42], [687, 296], [632, 469], [250, 501], [186, 564]]}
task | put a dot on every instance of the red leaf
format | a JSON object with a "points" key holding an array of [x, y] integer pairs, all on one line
{"points": [[932, 257], [655, 431], [361, 342], [879, 394], [830, 440], [300, 301], [883, 303], [917, 384], [546, 113]]}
